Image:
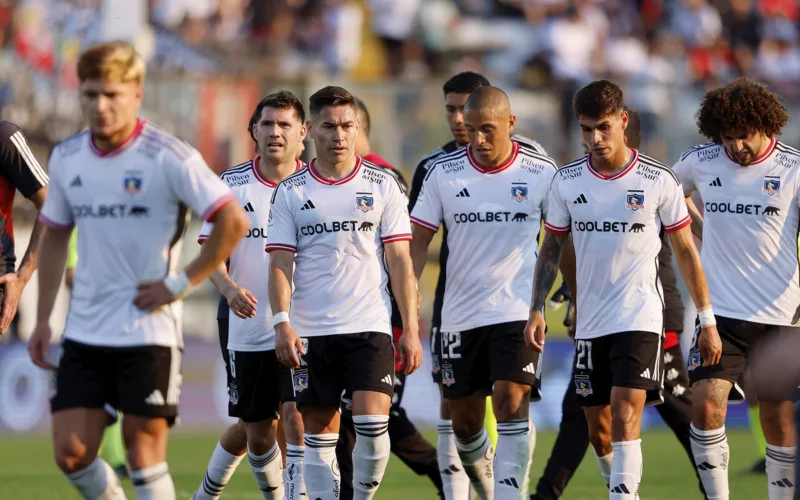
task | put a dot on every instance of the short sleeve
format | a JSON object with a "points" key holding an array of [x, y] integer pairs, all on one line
{"points": [[281, 229], [428, 211], [395, 225], [198, 187], [685, 173], [205, 231], [672, 206], [56, 212], [19, 165], [558, 219]]}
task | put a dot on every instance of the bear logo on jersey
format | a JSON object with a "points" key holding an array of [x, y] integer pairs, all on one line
{"points": [[634, 200], [364, 203], [519, 193], [132, 184], [772, 185]]}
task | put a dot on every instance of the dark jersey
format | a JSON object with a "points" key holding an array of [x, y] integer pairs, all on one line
{"points": [[673, 304], [18, 170]]}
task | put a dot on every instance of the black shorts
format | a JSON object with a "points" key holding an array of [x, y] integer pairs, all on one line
{"points": [[259, 384], [473, 360], [222, 325], [740, 341], [436, 362], [627, 359], [141, 380], [335, 363]]}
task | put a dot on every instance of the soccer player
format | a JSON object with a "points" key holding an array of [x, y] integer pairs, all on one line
{"points": [[615, 201], [491, 197], [748, 181], [260, 387], [126, 185], [339, 229], [456, 92], [18, 170], [112, 446], [573, 433], [406, 441]]}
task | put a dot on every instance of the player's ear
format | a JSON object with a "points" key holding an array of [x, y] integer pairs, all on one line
{"points": [[303, 132], [624, 117], [512, 121]]}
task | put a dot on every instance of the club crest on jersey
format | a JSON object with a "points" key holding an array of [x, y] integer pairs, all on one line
{"points": [[583, 387], [300, 382], [365, 203], [435, 363], [695, 360], [132, 184], [233, 396], [447, 376], [634, 200], [772, 185], [519, 193]]}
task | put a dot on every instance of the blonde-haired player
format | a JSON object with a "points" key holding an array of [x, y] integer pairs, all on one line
{"points": [[126, 185]]}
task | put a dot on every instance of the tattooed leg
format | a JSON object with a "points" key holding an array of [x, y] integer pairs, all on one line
{"points": [[710, 403]]}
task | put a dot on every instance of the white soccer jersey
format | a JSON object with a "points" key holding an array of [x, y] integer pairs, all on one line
{"points": [[615, 223], [750, 230], [249, 264], [130, 208], [493, 218], [337, 230]]}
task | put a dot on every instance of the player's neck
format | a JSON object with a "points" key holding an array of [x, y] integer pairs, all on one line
{"points": [[620, 161], [116, 139], [502, 158], [335, 171], [276, 172]]}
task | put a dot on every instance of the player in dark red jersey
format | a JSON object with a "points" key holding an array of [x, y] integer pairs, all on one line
{"points": [[19, 170]]}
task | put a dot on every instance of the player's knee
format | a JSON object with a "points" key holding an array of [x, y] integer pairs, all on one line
{"points": [[601, 442], [444, 410], [260, 437], [508, 404], [71, 456], [467, 424]]}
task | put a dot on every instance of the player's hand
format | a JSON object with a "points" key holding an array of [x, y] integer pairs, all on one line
{"points": [[152, 295], [39, 346], [242, 302], [288, 344], [535, 331], [710, 345], [409, 351], [12, 284]]}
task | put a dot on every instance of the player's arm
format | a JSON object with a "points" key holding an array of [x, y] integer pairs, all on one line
{"points": [[426, 215], [241, 301], [697, 218], [404, 287], [543, 279], [421, 238]]}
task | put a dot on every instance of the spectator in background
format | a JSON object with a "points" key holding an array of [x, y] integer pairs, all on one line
{"points": [[344, 23], [393, 22], [743, 27], [778, 58]]}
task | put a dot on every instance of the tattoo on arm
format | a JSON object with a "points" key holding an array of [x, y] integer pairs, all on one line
{"points": [[546, 269]]}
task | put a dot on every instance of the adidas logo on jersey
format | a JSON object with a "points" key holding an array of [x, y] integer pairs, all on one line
{"points": [[155, 399], [463, 193], [783, 483], [581, 200], [621, 488], [387, 380], [249, 207], [645, 373], [716, 183], [76, 182], [509, 482], [309, 205], [530, 369]]}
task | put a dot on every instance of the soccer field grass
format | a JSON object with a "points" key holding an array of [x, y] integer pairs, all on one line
{"points": [[28, 472]]}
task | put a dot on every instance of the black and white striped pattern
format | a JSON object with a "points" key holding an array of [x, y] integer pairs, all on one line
{"points": [[212, 488], [513, 428], [320, 440], [149, 475], [472, 444], [446, 428], [779, 456], [294, 453], [21, 145], [260, 463], [371, 429], [708, 441]]}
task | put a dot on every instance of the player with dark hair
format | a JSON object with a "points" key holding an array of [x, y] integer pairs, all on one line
{"points": [[456, 92], [406, 441], [338, 230], [750, 186], [573, 432], [259, 387], [615, 202], [19, 170]]}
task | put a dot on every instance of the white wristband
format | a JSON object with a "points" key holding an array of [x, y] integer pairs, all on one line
{"points": [[281, 317], [178, 284], [707, 317]]}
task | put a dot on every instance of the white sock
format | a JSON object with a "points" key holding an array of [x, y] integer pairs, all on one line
{"points": [[626, 470], [220, 469], [605, 465], [153, 483], [97, 482], [455, 482], [370, 455], [780, 472], [527, 478], [476, 456], [294, 485], [267, 471], [321, 473], [512, 455], [711, 458]]}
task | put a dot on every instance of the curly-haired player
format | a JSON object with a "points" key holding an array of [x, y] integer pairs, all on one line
{"points": [[750, 183]]}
